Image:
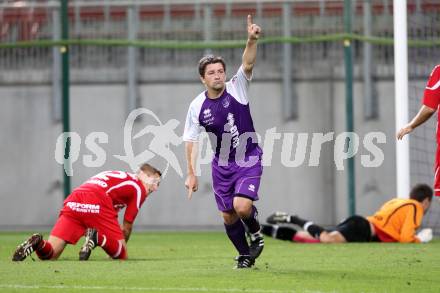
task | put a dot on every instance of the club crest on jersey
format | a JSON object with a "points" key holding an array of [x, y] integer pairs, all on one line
{"points": [[226, 102]]}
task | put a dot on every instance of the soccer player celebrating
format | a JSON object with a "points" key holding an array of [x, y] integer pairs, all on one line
{"points": [[223, 110], [396, 221], [431, 102], [92, 210]]}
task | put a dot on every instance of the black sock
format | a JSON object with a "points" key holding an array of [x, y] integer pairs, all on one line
{"points": [[267, 229], [237, 235], [313, 229], [251, 222], [285, 233], [275, 231], [298, 221]]}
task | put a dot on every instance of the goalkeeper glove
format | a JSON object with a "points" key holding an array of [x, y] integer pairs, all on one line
{"points": [[425, 235]]}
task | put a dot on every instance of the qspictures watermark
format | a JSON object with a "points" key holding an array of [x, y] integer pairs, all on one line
{"points": [[297, 149]]}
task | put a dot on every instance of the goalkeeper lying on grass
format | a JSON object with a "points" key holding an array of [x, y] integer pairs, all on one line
{"points": [[396, 221]]}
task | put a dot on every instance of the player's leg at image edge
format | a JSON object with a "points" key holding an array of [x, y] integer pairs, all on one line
{"points": [[35, 243]]}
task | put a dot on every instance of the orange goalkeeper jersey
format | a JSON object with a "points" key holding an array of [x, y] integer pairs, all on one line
{"points": [[397, 220]]}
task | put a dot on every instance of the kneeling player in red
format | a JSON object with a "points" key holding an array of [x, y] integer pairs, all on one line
{"points": [[92, 210]]}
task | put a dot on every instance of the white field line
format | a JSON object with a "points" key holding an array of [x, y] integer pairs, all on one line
{"points": [[151, 289]]}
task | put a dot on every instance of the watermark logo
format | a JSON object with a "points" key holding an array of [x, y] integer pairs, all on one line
{"points": [[163, 136], [297, 149]]}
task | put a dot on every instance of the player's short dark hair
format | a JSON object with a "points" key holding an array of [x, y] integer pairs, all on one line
{"points": [[421, 191], [209, 59], [150, 170]]}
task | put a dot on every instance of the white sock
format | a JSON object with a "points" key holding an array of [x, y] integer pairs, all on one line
{"points": [[307, 225]]}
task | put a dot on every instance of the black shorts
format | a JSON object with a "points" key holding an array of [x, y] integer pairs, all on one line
{"points": [[355, 229]]}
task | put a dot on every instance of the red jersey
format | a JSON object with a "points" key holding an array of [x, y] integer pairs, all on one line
{"points": [[125, 190], [431, 97]]}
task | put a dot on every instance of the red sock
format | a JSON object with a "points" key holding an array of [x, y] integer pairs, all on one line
{"points": [[112, 247], [45, 252], [299, 238]]}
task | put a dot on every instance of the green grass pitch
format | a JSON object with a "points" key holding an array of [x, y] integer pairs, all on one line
{"points": [[203, 261]]}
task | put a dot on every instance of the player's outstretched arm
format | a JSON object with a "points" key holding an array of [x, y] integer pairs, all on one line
{"points": [[127, 227], [191, 182], [408, 229], [250, 52], [424, 114]]}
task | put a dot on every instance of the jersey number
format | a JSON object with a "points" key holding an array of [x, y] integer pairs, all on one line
{"points": [[114, 174]]}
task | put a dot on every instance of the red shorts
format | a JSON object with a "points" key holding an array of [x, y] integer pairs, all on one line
{"points": [[84, 209], [437, 172]]}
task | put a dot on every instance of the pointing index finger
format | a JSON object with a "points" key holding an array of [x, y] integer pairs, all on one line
{"points": [[190, 191], [249, 20]]}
